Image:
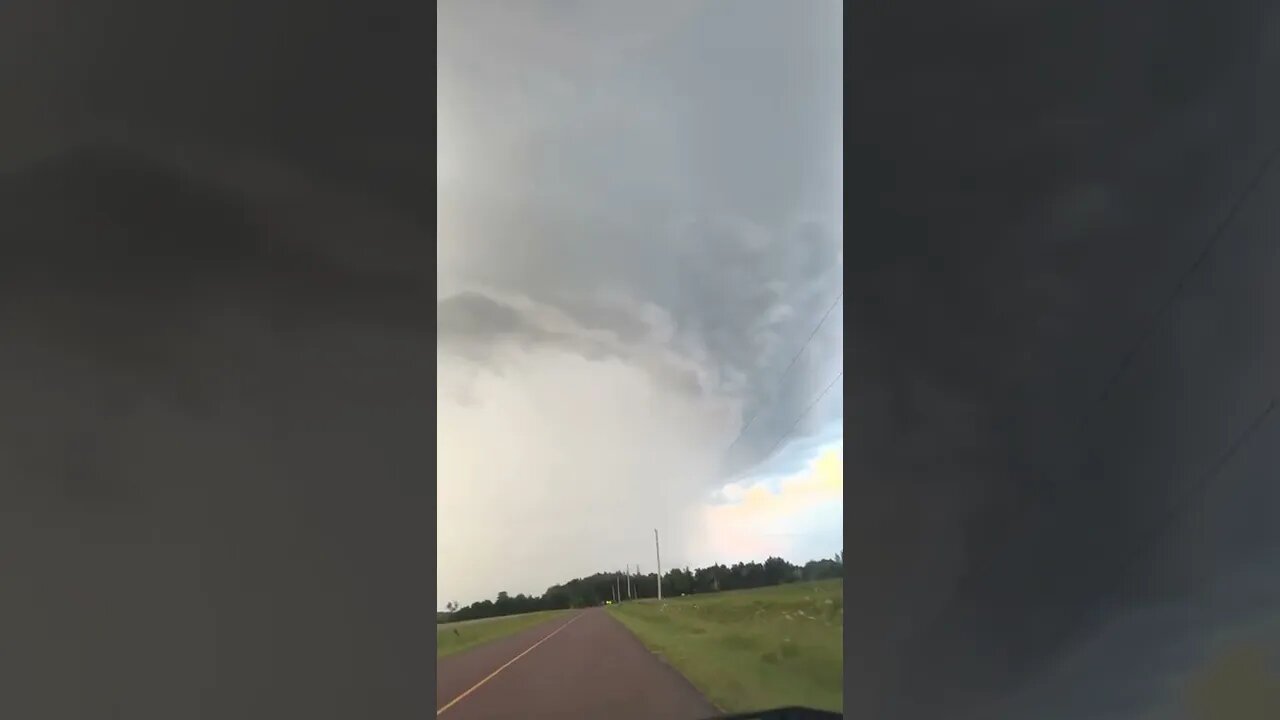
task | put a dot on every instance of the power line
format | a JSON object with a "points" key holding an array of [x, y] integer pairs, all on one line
{"points": [[1177, 507], [810, 407], [1144, 335], [803, 414], [783, 376], [1215, 238], [1147, 331]]}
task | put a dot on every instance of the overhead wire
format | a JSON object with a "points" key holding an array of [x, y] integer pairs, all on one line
{"points": [[1215, 238], [783, 376], [1144, 335], [809, 408]]}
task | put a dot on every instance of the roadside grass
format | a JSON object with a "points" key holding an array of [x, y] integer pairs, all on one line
{"points": [[751, 649], [458, 636]]}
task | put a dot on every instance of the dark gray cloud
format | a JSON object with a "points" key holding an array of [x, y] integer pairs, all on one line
{"points": [[474, 314], [475, 326], [692, 165]]}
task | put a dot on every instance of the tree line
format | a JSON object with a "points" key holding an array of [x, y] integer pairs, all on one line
{"points": [[596, 589]]}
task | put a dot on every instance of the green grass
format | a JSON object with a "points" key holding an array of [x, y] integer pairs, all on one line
{"points": [[751, 649], [458, 636]]}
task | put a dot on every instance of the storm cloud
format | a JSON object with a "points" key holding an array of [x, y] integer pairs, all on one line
{"points": [[639, 228]]}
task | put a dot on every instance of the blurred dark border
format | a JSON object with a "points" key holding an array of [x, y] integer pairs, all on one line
{"points": [[299, 584]]}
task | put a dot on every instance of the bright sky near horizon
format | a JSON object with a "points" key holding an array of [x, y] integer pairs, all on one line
{"points": [[639, 225]]}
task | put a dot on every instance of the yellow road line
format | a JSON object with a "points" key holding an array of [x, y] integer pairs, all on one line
{"points": [[475, 687]]}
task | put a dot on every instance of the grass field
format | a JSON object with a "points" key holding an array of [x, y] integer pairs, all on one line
{"points": [[751, 649], [458, 636]]}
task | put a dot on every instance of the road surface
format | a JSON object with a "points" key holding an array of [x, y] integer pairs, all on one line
{"points": [[585, 665]]}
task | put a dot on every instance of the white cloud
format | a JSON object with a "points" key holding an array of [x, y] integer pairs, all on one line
{"points": [[798, 517], [558, 464]]}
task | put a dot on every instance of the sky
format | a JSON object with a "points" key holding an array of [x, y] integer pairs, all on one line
{"points": [[639, 213]]}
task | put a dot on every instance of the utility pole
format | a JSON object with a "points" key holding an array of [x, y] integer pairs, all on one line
{"points": [[658, 555], [617, 588], [628, 582]]}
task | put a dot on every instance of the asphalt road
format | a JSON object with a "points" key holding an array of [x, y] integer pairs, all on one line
{"points": [[586, 665]]}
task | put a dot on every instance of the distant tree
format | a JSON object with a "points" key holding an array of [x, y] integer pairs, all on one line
{"points": [[594, 589], [777, 571], [823, 570], [721, 578], [747, 575], [683, 582], [708, 579], [677, 582]]}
